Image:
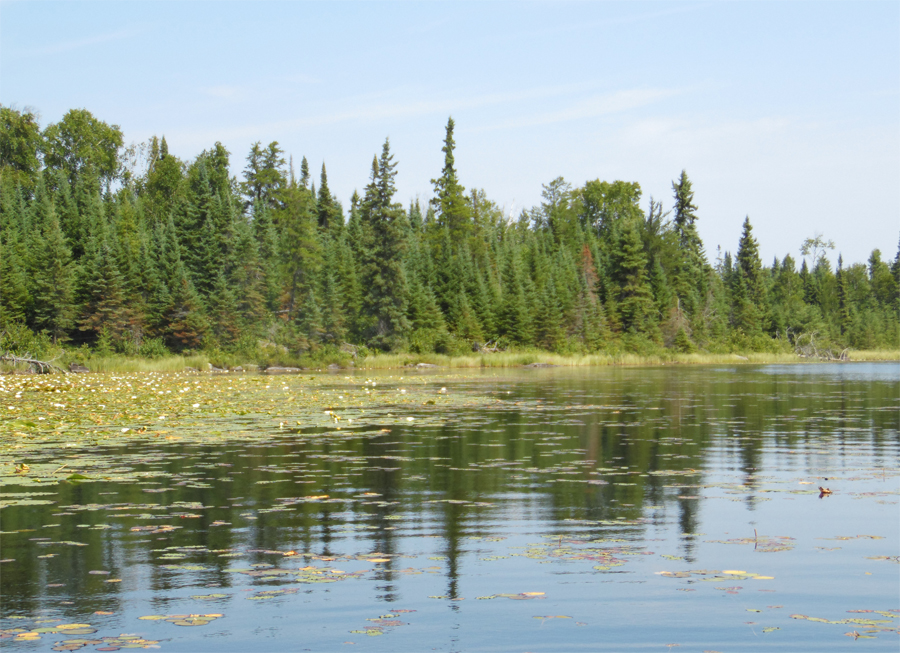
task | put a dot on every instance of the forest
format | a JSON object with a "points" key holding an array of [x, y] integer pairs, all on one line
{"points": [[131, 250]]}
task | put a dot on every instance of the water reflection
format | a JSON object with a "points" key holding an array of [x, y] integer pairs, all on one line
{"points": [[604, 456]]}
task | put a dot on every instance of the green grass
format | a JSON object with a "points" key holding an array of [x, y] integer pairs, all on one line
{"points": [[518, 359], [124, 364]]}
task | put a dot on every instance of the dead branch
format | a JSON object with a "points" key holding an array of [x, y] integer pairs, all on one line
{"points": [[805, 347], [39, 366]]}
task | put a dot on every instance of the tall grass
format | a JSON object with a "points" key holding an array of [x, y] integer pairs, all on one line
{"points": [[519, 359], [124, 364], [174, 363], [875, 355]]}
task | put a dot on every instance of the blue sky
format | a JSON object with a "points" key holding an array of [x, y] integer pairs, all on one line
{"points": [[788, 112]]}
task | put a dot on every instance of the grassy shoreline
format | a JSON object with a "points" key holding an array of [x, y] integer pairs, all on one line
{"points": [[522, 359], [175, 363]]}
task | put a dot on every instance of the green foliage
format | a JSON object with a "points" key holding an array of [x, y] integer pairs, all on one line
{"points": [[173, 256], [17, 339], [153, 348], [20, 147], [82, 146]]}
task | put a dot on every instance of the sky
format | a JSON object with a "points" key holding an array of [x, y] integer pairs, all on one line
{"points": [[786, 112]]}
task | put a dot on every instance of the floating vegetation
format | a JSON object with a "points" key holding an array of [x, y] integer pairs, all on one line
{"points": [[179, 494]]}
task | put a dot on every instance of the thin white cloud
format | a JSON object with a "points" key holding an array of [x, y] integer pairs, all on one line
{"points": [[592, 107], [68, 46], [385, 106]]}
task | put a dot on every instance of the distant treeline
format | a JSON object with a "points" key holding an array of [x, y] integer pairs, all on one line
{"points": [[136, 251]]}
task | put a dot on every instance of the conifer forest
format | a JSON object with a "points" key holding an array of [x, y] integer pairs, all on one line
{"points": [[135, 251]]}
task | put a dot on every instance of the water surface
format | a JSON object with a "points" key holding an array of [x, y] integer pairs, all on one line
{"points": [[534, 510]]}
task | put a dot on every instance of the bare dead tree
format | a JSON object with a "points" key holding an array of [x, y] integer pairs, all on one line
{"points": [[805, 347], [39, 366]]}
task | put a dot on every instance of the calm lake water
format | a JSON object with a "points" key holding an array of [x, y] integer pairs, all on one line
{"points": [[530, 510]]}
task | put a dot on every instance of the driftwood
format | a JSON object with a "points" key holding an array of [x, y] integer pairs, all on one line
{"points": [[490, 347], [805, 347], [39, 366]]}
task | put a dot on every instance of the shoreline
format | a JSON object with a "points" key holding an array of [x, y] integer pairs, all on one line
{"points": [[500, 360]]}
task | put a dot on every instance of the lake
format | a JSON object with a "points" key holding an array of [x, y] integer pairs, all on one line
{"points": [[601, 509]]}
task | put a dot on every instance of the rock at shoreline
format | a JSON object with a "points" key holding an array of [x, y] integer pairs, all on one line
{"points": [[77, 368], [283, 370], [534, 365]]}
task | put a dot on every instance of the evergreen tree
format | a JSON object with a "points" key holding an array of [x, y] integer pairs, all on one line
{"points": [[748, 289], [515, 322], [248, 279], [53, 280], [327, 211], [383, 277], [301, 249], [15, 299], [451, 208], [105, 309], [634, 297], [310, 321], [186, 320], [267, 242], [223, 312], [264, 174]]}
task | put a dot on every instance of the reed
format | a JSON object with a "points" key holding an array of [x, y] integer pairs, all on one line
{"points": [[124, 364], [506, 359], [520, 359]]}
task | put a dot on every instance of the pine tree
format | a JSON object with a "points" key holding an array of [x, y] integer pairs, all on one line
{"points": [[301, 249], [748, 289], [105, 309], [451, 208], [844, 314], [248, 278], [515, 322], [222, 309], [267, 242], [691, 271], [634, 295], [186, 320], [15, 299], [53, 279], [327, 210], [334, 319], [382, 273]]}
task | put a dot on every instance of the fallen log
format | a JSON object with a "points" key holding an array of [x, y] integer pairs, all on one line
{"points": [[39, 366]]}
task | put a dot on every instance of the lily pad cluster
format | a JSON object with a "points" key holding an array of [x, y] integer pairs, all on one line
{"points": [[184, 619]]}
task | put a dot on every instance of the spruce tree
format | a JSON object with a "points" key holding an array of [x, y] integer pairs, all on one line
{"points": [[248, 279], [515, 321], [634, 296], [53, 280], [301, 248], [223, 313], [451, 208], [747, 287], [15, 299], [327, 210], [186, 320], [382, 270], [106, 308]]}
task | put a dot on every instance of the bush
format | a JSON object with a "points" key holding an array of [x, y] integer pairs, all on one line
{"points": [[153, 348], [19, 340], [326, 355]]}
